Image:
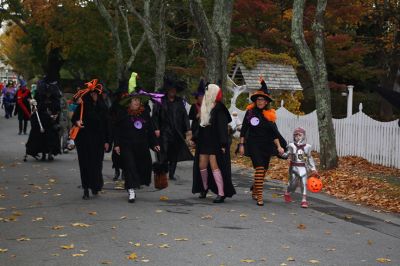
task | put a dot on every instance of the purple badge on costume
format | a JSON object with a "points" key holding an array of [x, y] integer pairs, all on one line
{"points": [[254, 121], [138, 124]]}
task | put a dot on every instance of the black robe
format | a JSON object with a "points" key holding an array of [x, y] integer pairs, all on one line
{"points": [[172, 120], [135, 136], [220, 118], [90, 142], [48, 108]]}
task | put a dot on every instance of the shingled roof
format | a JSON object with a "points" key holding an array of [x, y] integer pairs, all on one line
{"points": [[277, 76]]}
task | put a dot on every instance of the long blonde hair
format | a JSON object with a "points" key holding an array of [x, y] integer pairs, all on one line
{"points": [[208, 104]]}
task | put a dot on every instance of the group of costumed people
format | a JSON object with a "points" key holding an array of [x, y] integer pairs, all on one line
{"points": [[17, 102], [130, 129], [42, 110]]}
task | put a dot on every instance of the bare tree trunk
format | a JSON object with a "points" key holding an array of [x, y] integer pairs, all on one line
{"points": [[222, 17], [157, 41], [215, 37], [316, 68], [113, 24], [391, 80]]}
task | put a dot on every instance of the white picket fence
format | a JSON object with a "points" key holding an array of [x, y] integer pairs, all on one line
{"points": [[357, 135]]}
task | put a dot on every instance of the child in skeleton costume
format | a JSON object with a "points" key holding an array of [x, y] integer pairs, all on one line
{"points": [[301, 165]]}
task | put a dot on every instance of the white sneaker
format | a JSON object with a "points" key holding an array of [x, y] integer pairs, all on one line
{"points": [[132, 195], [70, 144]]}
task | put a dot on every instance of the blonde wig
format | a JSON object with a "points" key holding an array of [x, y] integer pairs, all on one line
{"points": [[208, 104]]}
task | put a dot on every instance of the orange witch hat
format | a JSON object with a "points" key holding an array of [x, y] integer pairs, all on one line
{"points": [[90, 86]]}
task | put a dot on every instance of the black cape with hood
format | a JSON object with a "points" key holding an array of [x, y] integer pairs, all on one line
{"points": [[220, 118], [48, 103]]}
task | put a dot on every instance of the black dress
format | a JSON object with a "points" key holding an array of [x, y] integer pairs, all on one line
{"points": [[211, 140], [134, 134], [90, 142], [259, 134]]}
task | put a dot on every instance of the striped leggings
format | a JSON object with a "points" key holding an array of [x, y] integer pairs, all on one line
{"points": [[258, 185]]}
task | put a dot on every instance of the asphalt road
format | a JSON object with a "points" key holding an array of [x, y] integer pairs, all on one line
{"points": [[41, 210]]}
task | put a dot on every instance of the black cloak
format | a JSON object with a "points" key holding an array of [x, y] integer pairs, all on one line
{"points": [[220, 118]]}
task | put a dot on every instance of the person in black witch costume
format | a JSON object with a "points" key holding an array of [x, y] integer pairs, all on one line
{"points": [[134, 135], [212, 165], [93, 137], [114, 111], [44, 135], [194, 112], [172, 126], [259, 134]]}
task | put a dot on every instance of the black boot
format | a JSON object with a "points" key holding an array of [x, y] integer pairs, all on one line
{"points": [[51, 157], [203, 194], [171, 170], [117, 174], [95, 192], [85, 194], [219, 199], [20, 127], [43, 157], [25, 126]]}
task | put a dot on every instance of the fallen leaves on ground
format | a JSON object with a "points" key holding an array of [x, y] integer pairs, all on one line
{"points": [[164, 246], [68, 246], [57, 227], [163, 198], [78, 255], [80, 225], [247, 261], [314, 261], [181, 239], [383, 260], [23, 239], [92, 213], [301, 226], [3, 250]]}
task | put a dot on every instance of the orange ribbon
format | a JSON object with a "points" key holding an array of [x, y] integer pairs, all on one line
{"points": [[90, 87]]}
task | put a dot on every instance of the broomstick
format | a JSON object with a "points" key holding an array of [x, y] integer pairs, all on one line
{"points": [[34, 104]]}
